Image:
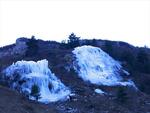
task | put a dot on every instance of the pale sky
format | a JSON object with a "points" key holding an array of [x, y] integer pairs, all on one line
{"points": [[124, 20]]}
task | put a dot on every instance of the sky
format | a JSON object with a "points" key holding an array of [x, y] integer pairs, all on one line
{"points": [[119, 20]]}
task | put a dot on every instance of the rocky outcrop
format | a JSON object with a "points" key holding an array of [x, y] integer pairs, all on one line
{"points": [[19, 48]]}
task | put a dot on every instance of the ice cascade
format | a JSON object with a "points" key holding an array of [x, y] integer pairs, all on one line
{"points": [[24, 74], [97, 67]]}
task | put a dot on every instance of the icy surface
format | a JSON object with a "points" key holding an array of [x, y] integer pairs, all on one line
{"points": [[99, 91], [96, 66], [24, 74]]}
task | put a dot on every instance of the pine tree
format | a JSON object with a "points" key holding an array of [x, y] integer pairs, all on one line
{"points": [[35, 91], [73, 40]]}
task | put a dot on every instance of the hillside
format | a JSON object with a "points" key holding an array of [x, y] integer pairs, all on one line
{"points": [[85, 96]]}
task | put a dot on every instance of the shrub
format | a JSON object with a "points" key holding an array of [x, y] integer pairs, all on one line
{"points": [[35, 91], [50, 86], [63, 44], [109, 48], [94, 42]]}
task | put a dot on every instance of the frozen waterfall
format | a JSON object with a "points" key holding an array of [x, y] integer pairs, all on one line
{"points": [[97, 67], [24, 74]]}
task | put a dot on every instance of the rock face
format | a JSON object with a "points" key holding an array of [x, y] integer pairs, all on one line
{"points": [[97, 67], [24, 74], [19, 48]]}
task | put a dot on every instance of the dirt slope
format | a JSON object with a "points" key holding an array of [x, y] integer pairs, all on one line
{"points": [[13, 102]]}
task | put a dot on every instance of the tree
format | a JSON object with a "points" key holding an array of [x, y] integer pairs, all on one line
{"points": [[73, 40], [35, 91], [32, 48], [109, 48], [50, 86]]}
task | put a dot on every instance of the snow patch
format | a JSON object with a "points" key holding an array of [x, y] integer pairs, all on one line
{"points": [[96, 66], [24, 74], [99, 91], [127, 73]]}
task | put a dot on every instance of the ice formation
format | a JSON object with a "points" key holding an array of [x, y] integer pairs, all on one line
{"points": [[97, 67], [99, 91], [24, 74]]}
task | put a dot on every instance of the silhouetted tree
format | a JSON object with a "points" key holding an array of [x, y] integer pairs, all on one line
{"points": [[32, 48], [73, 40]]}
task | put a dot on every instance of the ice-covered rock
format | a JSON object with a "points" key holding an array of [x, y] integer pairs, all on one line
{"points": [[24, 74], [97, 67], [99, 91]]}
